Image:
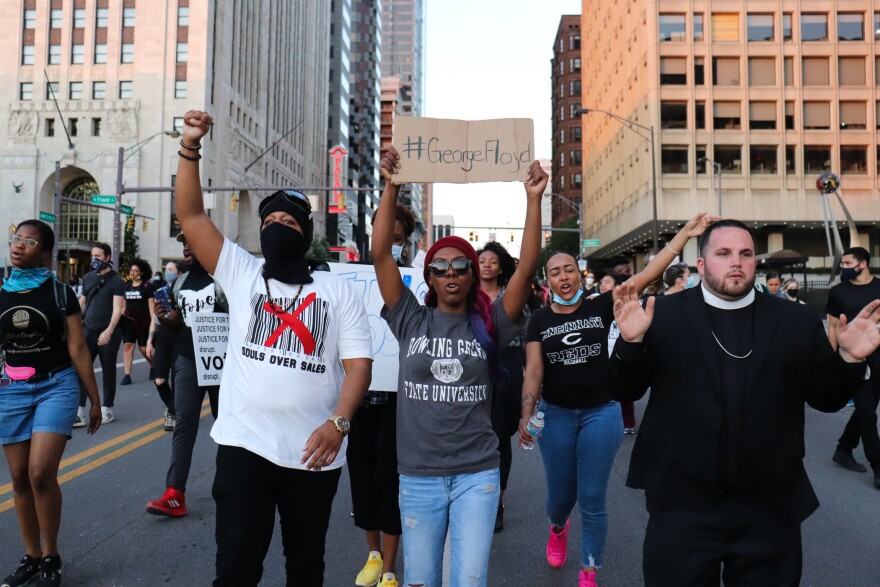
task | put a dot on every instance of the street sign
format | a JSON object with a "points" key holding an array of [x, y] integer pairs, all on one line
{"points": [[46, 217], [590, 242], [127, 210], [105, 200]]}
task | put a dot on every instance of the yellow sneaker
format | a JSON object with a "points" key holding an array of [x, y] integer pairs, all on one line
{"points": [[388, 580], [372, 571]]}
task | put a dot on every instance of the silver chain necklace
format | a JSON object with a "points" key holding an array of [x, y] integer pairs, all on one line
{"points": [[745, 356]]}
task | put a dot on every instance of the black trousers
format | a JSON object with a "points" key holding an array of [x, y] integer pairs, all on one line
{"points": [[107, 354], [247, 491], [188, 398], [862, 423], [699, 549], [372, 468]]}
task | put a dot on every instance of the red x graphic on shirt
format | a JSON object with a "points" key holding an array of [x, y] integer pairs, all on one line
{"points": [[293, 322]]}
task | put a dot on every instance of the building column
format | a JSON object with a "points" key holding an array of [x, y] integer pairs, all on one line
{"points": [[774, 242]]}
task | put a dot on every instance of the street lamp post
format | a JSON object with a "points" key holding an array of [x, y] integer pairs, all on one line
{"points": [[716, 169], [627, 123], [578, 210]]}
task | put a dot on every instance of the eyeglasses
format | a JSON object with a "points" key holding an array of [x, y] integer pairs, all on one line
{"points": [[291, 196], [30, 243], [441, 268]]}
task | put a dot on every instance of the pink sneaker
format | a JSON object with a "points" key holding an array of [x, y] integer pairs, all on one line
{"points": [[557, 546], [587, 579]]}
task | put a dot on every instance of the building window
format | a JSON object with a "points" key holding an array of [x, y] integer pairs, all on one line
{"points": [[577, 65], [762, 71], [128, 17], [576, 134], [50, 127], [786, 27], [27, 55], [100, 53], [789, 116], [763, 160], [78, 54], [877, 114], [54, 54], [725, 71], [877, 26], [79, 18], [574, 88], [674, 159], [182, 52], [26, 91], [760, 27], [725, 27], [727, 116], [815, 71], [574, 42], [577, 180], [127, 53], [126, 90], [561, 136], [52, 91], [851, 26], [817, 159], [700, 156], [183, 16], [102, 16], [698, 27], [790, 166], [817, 115], [672, 27], [699, 71], [30, 19], [851, 71], [574, 110], [673, 71], [562, 164], [853, 116], [730, 158], [788, 70], [699, 115], [177, 123], [96, 127], [673, 115], [55, 18], [99, 90], [576, 157], [762, 115], [75, 91], [853, 159], [814, 27], [72, 126]]}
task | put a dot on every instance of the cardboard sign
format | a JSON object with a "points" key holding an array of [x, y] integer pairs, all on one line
{"points": [[210, 334], [435, 150], [385, 347]]}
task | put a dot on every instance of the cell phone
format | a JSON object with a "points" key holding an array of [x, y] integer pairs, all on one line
{"points": [[161, 296]]}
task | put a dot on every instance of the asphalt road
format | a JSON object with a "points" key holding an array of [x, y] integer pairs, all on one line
{"points": [[107, 539]]}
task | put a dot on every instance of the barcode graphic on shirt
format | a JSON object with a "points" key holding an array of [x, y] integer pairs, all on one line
{"points": [[302, 329]]}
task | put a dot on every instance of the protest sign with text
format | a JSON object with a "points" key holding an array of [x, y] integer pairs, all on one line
{"points": [[436, 150], [210, 334]]}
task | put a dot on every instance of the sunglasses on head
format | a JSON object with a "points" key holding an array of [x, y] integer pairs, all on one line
{"points": [[441, 268], [291, 196]]}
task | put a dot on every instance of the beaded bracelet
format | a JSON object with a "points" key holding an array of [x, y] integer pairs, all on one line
{"points": [[674, 252], [188, 157], [190, 148]]}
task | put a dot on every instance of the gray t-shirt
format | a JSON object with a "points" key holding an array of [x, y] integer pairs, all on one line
{"points": [[444, 389], [99, 291]]}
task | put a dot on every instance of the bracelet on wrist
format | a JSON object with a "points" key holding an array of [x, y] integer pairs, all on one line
{"points": [[195, 147], [674, 252], [188, 157]]}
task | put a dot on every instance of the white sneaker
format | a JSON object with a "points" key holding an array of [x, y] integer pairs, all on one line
{"points": [[106, 415], [80, 420], [170, 421]]}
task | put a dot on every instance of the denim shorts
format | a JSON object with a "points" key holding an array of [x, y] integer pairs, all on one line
{"points": [[46, 406]]}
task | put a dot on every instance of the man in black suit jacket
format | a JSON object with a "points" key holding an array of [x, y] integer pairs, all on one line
{"points": [[720, 451]]}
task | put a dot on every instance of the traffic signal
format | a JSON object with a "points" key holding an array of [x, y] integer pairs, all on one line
{"points": [[511, 236], [476, 237], [547, 237], [129, 223], [471, 236], [145, 225]]}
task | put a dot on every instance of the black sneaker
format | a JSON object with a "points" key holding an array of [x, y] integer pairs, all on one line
{"points": [[27, 570], [50, 572], [126, 380], [845, 459]]}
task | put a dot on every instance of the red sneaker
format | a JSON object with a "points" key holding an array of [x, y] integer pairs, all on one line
{"points": [[587, 579], [173, 504], [557, 546]]}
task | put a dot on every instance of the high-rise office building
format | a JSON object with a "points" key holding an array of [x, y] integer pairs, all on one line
{"points": [[566, 122], [770, 95]]}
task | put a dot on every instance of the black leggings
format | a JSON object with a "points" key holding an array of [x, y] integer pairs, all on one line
{"points": [[108, 354]]}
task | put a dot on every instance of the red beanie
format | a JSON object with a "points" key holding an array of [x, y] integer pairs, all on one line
{"points": [[455, 242]]}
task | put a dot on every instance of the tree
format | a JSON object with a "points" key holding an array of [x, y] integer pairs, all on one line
{"points": [[319, 249], [562, 242], [130, 249]]}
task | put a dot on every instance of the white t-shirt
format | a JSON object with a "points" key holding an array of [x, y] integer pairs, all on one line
{"points": [[282, 378]]}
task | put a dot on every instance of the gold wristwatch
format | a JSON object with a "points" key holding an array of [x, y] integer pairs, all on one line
{"points": [[343, 426]]}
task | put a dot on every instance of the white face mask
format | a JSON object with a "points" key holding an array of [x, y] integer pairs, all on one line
{"points": [[590, 282]]}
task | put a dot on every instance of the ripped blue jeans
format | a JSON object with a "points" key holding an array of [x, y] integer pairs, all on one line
{"points": [[465, 505]]}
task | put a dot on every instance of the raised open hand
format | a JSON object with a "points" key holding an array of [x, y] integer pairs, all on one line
{"points": [[632, 320], [536, 182], [196, 124], [699, 223], [861, 337]]}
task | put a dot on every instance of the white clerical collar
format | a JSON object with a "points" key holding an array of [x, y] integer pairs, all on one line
{"points": [[717, 302]]}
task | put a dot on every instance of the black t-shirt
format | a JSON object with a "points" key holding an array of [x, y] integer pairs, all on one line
{"points": [[99, 291], [197, 294], [32, 329], [575, 351], [137, 298], [849, 299]]}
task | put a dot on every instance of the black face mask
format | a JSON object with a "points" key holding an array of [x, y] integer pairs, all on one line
{"points": [[792, 293], [285, 251]]}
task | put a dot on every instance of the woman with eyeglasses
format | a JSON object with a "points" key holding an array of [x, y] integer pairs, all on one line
{"points": [[41, 335], [298, 367], [566, 368], [447, 452]]}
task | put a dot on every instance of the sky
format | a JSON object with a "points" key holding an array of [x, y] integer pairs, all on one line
{"points": [[491, 59]]}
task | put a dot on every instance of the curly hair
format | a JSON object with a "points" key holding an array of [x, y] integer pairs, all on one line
{"points": [[406, 217], [146, 270], [505, 260]]}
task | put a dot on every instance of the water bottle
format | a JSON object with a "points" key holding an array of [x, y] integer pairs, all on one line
{"points": [[535, 426]]}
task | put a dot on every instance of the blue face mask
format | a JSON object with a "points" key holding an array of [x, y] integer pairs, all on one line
{"points": [[691, 282], [571, 302], [99, 264], [396, 251], [170, 276]]}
